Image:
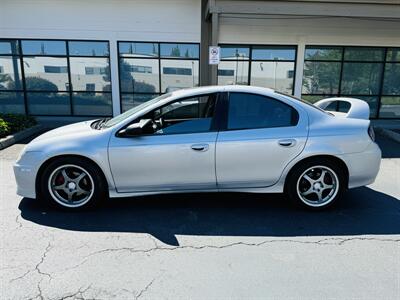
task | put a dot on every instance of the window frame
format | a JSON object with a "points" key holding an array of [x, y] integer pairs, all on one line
{"points": [[250, 59], [215, 122], [224, 125], [159, 58], [20, 55], [384, 62]]}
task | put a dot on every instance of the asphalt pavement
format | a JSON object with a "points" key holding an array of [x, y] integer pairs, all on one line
{"points": [[204, 246]]}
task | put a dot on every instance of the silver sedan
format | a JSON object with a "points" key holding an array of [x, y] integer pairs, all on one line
{"points": [[207, 139]]}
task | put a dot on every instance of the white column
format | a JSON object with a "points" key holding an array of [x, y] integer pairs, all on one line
{"points": [[299, 68], [114, 77]]}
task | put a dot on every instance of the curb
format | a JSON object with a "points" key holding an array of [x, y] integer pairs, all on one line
{"points": [[389, 134], [16, 137]]}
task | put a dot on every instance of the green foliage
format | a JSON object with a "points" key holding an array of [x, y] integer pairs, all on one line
{"points": [[36, 84], [11, 123]]}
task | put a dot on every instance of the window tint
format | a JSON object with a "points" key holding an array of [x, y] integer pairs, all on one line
{"points": [[190, 115], [249, 111]]}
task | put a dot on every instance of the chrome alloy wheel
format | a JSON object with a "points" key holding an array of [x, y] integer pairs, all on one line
{"points": [[71, 186], [317, 186]]}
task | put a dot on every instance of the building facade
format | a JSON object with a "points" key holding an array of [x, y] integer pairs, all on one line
{"points": [[71, 59]]}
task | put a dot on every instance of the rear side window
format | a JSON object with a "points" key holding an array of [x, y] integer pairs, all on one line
{"points": [[250, 111]]}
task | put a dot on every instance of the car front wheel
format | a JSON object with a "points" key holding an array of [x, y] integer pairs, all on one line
{"points": [[316, 185], [72, 183]]}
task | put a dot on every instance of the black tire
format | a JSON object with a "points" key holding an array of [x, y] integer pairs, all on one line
{"points": [[95, 197], [296, 184]]}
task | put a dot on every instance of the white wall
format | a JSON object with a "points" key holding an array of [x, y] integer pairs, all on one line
{"points": [[113, 20]]}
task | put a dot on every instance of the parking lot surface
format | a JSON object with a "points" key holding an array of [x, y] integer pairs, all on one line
{"points": [[204, 246]]}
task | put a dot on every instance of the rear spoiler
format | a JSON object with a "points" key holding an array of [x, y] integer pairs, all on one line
{"points": [[359, 109]]}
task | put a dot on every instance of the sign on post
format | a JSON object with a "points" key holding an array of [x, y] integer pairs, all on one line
{"points": [[214, 55]]}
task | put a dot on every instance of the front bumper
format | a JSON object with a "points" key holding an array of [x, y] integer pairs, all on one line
{"points": [[25, 171], [363, 166]]}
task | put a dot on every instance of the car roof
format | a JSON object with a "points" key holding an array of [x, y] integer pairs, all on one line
{"points": [[223, 88]]}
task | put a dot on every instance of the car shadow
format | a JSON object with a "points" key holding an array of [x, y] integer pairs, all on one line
{"points": [[362, 211]]}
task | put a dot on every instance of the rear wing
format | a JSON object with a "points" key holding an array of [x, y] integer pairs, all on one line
{"points": [[359, 109]]}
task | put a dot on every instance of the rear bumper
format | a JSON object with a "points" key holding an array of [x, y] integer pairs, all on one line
{"points": [[363, 166]]}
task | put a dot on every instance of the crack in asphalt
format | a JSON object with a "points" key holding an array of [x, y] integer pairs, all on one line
{"points": [[145, 289], [76, 295], [37, 266], [334, 241]]}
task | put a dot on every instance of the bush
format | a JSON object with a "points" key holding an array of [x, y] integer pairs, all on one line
{"points": [[10, 123]]}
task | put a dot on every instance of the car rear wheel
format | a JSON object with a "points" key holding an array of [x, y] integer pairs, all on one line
{"points": [[72, 183], [316, 185]]}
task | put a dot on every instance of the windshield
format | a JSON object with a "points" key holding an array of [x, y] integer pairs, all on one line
{"points": [[134, 110]]}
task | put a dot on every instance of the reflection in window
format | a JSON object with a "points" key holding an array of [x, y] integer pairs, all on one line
{"points": [[128, 49], [273, 53], [10, 73], [92, 104], [390, 107], [391, 82], [129, 101], [275, 75], [178, 74], [358, 75], [82, 48], [12, 102], [139, 75], [48, 103], [36, 77], [179, 50], [361, 78], [238, 70], [321, 77], [41, 68], [235, 53], [30, 47], [90, 70]]}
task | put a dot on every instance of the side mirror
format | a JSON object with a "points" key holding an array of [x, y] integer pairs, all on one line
{"points": [[144, 126]]}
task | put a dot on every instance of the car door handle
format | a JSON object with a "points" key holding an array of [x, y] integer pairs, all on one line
{"points": [[200, 147], [287, 142]]}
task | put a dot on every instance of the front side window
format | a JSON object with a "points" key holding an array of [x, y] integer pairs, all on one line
{"points": [[189, 115], [251, 111]]}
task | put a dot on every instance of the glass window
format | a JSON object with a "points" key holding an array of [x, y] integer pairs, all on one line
{"points": [[250, 111], [10, 73], [393, 54], [390, 107], [129, 101], [364, 54], [323, 53], [8, 47], [273, 74], [391, 81], [273, 53], [139, 75], [12, 102], [37, 79], [43, 47], [48, 103], [128, 49], [88, 70], [372, 102], [313, 99], [179, 50], [178, 74], [235, 53], [83, 48], [321, 77], [92, 104], [190, 115], [235, 72], [361, 78]]}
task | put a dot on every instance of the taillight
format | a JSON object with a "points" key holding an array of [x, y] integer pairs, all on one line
{"points": [[371, 133]]}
